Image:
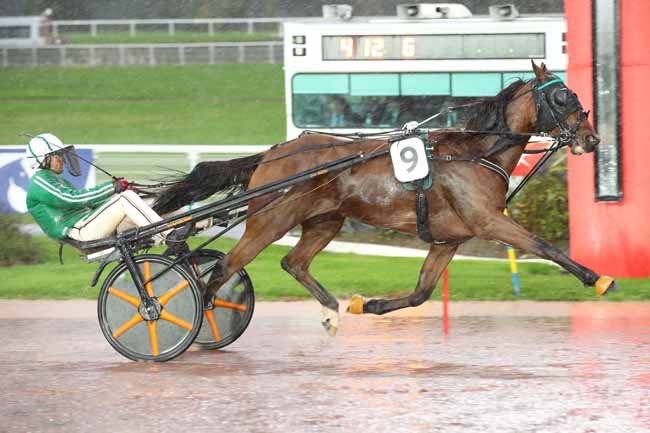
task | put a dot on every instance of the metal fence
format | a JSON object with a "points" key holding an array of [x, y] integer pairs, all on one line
{"points": [[144, 54], [170, 26]]}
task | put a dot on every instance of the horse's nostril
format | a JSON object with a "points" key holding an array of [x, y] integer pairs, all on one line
{"points": [[592, 140]]}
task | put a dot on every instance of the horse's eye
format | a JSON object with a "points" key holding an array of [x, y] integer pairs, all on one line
{"points": [[560, 97]]}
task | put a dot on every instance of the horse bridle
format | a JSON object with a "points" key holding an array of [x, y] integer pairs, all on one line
{"points": [[554, 103]]}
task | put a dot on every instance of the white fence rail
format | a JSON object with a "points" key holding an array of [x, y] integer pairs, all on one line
{"points": [[143, 162], [207, 25], [144, 54]]}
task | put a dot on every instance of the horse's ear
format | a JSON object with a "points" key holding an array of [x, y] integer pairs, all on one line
{"points": [[539, 71]]}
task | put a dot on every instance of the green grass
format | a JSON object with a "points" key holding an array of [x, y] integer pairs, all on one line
{"points": [[221, 104], [158, 37], [342, 274]]}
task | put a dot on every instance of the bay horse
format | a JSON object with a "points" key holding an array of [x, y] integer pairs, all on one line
{"points": [[466, 199]]}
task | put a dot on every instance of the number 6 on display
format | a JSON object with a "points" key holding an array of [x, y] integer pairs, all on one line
{"points": [[409, 159]]}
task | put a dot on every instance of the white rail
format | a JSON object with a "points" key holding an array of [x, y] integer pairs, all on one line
{"points": [[171, 25], [143, 54], [140, 162]]}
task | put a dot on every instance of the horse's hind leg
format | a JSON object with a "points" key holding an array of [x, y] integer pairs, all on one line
{"points": [[261, 231], [504, 229], [437, 260], [317, 232]]}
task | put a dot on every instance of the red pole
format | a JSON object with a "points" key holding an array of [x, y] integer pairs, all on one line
{"points": [[445, 300]]}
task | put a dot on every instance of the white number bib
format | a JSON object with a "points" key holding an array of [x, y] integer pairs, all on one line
{"points": [[409, 159]]}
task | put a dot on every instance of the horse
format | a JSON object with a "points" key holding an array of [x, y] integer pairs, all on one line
{"points": [[467, 198]]}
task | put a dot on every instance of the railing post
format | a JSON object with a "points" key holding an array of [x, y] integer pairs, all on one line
{"points": [[172, 28], [122, 55], [181, 54], [242, 55], [193, 158], [211, 28], [211, 53], [152, 55], [271, 54], [93, 57], [132, 28], [93, 29], [250, 26], [33, 56]]}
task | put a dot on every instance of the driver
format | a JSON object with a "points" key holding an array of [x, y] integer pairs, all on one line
{"points": [[82, 214]]}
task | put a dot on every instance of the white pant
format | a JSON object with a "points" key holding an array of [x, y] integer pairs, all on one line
{"points": [[103, 222]]}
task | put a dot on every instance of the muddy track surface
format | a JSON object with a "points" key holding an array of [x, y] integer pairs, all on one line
{"points": [[504, 367]]}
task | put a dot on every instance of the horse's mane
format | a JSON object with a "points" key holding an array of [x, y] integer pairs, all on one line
{"points": [[484, 115]]}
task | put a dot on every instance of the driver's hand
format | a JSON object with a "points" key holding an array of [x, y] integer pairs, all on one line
{"points": [[120, 184]]}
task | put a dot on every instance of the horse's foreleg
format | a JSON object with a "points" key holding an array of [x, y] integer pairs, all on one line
{"points": [[502, 228], [317, 232], [437, 260]]}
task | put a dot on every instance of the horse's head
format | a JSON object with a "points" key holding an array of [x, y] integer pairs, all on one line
{"points": [[559, 112]]}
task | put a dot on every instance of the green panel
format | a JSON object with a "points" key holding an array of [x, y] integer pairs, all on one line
{"points": [[374, 84], [425, 84], [509, 77], [321, 84], [475, 84]]}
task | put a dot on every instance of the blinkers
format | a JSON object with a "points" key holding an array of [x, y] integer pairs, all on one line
{"points": [[554, 102]]}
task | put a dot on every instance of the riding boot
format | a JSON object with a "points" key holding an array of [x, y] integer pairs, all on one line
{"points": [[176, 241]]}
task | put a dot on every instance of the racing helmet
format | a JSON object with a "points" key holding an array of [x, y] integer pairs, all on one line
{"points": [[41, 148]]}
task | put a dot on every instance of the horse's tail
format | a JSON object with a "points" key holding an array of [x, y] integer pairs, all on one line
{"points": [[205, 179]]}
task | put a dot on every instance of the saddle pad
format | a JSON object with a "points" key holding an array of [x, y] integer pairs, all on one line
{"points": [[411, 163]]}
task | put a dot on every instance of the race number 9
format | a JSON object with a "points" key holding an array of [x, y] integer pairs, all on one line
{"points": [[409, 159], [409, 156]]}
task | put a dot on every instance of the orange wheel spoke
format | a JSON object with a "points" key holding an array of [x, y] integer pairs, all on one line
{"points": [[123, 296], [173, 292], [137, 318], [226, 304], [147, 277], [209, 314], [153, 337], [175, 320]]}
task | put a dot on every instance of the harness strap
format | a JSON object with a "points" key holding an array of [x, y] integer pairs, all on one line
{"points": [[422, 218], [422, 213], [480, 161]]}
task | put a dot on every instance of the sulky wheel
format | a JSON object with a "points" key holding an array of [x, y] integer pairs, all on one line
{"points": [[231, 310], [178, 309]]}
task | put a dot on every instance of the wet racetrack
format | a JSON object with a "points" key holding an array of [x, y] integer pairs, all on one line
{"points": [[515, 368]]}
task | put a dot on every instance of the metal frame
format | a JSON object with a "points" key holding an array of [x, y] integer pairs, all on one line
{"points": [[606, 37]]}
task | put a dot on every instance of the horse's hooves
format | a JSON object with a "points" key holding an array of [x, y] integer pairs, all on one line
{"points": [[330, 321], [356, 304], [604, 285]]}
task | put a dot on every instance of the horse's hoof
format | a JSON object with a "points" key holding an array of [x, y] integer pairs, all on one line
{"points": [[604, 285], [356, 304], [330, 321]]}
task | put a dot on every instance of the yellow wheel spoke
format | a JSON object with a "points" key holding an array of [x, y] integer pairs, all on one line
{"points": [[173, 292], [137, 318], [153, 337], [123, 296], [147, 277], [226, 304], [209, 314], [175, 320]]}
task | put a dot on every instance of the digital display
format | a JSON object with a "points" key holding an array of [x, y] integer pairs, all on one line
{"points": [[434, 47]]}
